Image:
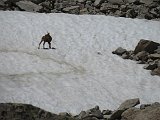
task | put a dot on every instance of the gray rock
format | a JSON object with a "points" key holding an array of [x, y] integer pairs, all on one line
{"points": [[46, 4], [98, 2], [146, 45], [28, 6], [119, 51], [116, 114], [156, 71], [106, 112], [131, 1], [131, 13], [64, 114], [151, 66], [129, 103], [82, 115], [107, 6], [126, 55], [72, 10], [84, 11], [2, 3], [143, 56], [107, 117], [117, 2], [158, 50], [149, 113], [146, 1], [94, 112], [143, 106], [81, 1], [37, 1], [154, 56]]}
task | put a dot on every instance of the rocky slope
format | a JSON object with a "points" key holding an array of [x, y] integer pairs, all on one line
{"points": [[146, 52], [126, 111], [146, 9]]}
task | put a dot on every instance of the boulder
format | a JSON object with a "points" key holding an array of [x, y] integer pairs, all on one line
{"points": [[129, 103], [119, 51], [146, 45], [143, 106], [151, 66], [124, 106], [107, 6], [81, 115], [81, 1], [131, 1], [106, 112], [116, 2], [94, 112], [131, 13], [147, 2], [156, 71], [37, 1], [154, 56], [97, 3], [72, 10], [2, 3], [126, 55], [143, 55], [149, 113], [28, 6], [158, 50], [116, 115]]}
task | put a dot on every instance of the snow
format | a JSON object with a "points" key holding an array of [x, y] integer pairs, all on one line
{"points": [[73, 77]]}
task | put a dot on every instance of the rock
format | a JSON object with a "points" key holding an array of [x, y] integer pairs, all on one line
{"points": [[116, 114], [132, 1], [64, 114], [2, 3], [130, 114], [149, 113], [97, 3], [28, 6], [131, 13], [94, 112], [46, 5], [151, 66], [119, 51], [126, 55], [158, 50], [129, 103], [154, 56], [124, 106], [81, 1], [84, 11], [141, 62], [116, 2], [90, 118], [156, 71], [106, 6], [82, 115], [106, 112], [72, 10], [146, 1], [107, 117], [146, 45], [37, 1], [143, 55], [143, 106]]}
